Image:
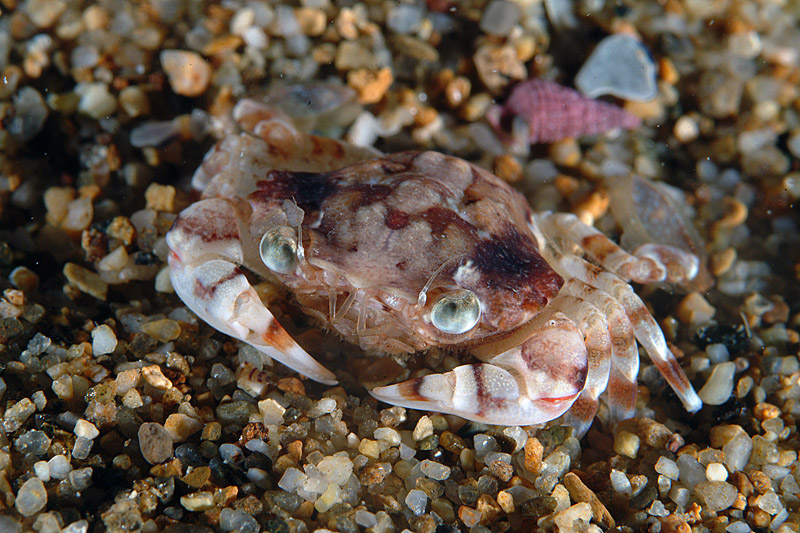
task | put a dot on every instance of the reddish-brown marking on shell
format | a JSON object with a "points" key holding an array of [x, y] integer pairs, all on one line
{"points": [[209, 225], [206, 292], [277, 336], [396, 219], [600, 246]]}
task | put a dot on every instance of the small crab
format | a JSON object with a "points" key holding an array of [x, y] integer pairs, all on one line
{"points": [[406, 252]]}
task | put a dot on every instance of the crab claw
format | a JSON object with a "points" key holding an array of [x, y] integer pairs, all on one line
{"points": [[532, 383], [204, 272]]}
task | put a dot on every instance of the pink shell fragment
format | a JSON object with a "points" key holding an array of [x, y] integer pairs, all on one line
{"points": [[554, 112]]}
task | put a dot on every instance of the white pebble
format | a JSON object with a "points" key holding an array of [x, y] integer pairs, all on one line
{"points": [[668, 467], [737, 452], [84, 428], [417, 500], [686, 129], [620, 482], [32, 497], [104, 341], [388, 435], [719, 386], [365, 519], [59, 467], [42, 470], [680, 495], [738, 527], [621, 66], [434, 470], [96, 100], [271, 411], [716, 472]]}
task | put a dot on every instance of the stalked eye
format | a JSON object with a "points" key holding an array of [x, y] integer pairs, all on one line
{"points": [[278, 249], [456, 312]]}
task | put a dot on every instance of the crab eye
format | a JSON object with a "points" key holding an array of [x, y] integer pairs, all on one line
{"points": [[456, 312], [278, 249]]}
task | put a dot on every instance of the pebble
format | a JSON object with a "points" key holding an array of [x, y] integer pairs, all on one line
{"points": [[620, 482], [423, 429], [163, 330], [371, 85], [86, 281], [620, 66], [155, 443], [500, 17], [271, 411], [96, 100], [198, 501], [497, 65], [82, 448], [686, 129], [336, 469], [717, 495], [238, 520], [668, 467], [181, 426], [103, 339], [29, 115], [59, 467], [627, 444], [24, 279], [31, 498], [404, 18], [18, 414], [579, 492], [719, 386], [417, 501], [84, 428], [691, 471], [716, 472], [189, 74], [435, 470], [567, 519], [44, 13]]}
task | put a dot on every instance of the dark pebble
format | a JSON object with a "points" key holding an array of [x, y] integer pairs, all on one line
{"points": [[10, 328], [538, 507], [289, 502], [346, 525], [733, 337], [276, 526], [258, 460], [189, 455], [468, 492], [428, 443], [645, 497], [488, 485]]}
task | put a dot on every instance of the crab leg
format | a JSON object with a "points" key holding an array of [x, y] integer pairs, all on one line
{"points": [[205, 251], [621, 384], [532, 383], [644, 325], [648, 263]]}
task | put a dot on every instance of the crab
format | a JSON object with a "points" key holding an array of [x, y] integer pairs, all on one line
{"points": [[406, 252]]}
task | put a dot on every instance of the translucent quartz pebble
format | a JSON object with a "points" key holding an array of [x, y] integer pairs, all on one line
{"points": [[621, 66], [404, 18], [691, 471], [435, 470], [719, 386], [417, 500], [668, 467], [500, 17], [32, 497]]}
